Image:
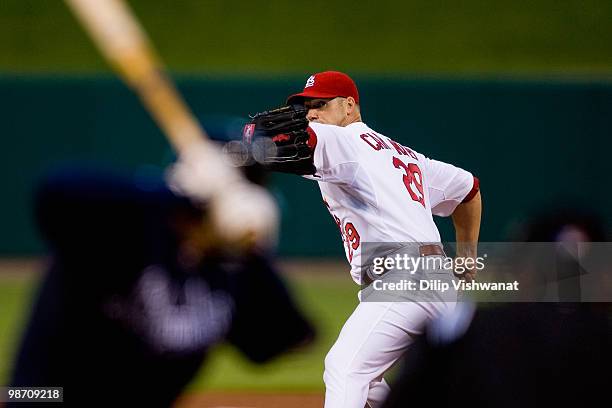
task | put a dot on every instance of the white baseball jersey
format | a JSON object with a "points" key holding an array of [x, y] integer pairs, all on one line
{"points": [[380, 191]]}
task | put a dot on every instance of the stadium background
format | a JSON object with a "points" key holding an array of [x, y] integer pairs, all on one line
{"points": [[519, 92]]}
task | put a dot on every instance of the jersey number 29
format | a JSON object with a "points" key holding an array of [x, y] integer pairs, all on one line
{"points": [[413, 179]]}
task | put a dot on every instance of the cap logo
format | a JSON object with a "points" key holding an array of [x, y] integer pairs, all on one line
{"points": [[309, 82]]}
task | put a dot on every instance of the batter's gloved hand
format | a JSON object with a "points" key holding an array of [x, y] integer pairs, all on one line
{"points": [[242, 215], [281, 140]]}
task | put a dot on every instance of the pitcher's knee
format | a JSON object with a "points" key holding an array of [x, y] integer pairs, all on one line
{"points": [[341, 369], [333, 370]]}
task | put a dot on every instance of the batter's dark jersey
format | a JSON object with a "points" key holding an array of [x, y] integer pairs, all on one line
{"points": [[117, 319]]}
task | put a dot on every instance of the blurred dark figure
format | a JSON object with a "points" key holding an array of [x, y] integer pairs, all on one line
{"points": [[137, 292], [514, 355], [569, 230], [521, 354], [563, 224]]}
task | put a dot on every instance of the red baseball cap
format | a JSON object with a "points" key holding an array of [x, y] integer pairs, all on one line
{"points": [[328, 84]]}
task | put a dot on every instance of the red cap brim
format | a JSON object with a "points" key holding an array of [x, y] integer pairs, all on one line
{"points": [[299, 97]]}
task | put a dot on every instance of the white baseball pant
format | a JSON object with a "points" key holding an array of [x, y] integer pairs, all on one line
{"points": [[374, 337]]}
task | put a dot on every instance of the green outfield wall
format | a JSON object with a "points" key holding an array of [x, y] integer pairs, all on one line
{"points": [[534, 145]]}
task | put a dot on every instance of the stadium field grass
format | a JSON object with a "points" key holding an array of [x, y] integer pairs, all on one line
{"points": [[323, 289], [15, 293], [386, 37]]}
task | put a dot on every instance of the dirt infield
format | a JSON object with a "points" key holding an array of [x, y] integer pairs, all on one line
{"points": [[249, 400]]}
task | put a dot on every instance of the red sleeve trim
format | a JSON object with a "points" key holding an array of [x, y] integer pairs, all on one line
{"points": [[312, 139], [473, 191]]}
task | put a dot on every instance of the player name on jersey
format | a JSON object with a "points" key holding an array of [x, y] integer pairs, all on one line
{"points": [[378, 142]]}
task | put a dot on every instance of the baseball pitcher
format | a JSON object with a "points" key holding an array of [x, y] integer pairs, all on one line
{"points": [[376, 190]]}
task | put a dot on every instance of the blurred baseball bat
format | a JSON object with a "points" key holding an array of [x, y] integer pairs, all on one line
{"points": [[122, 41], [239, 211]]}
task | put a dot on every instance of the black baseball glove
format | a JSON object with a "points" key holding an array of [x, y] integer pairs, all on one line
{"points": [[280, 141]]}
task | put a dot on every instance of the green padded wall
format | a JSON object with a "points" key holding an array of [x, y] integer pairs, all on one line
{"points": [[534, 145]]}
